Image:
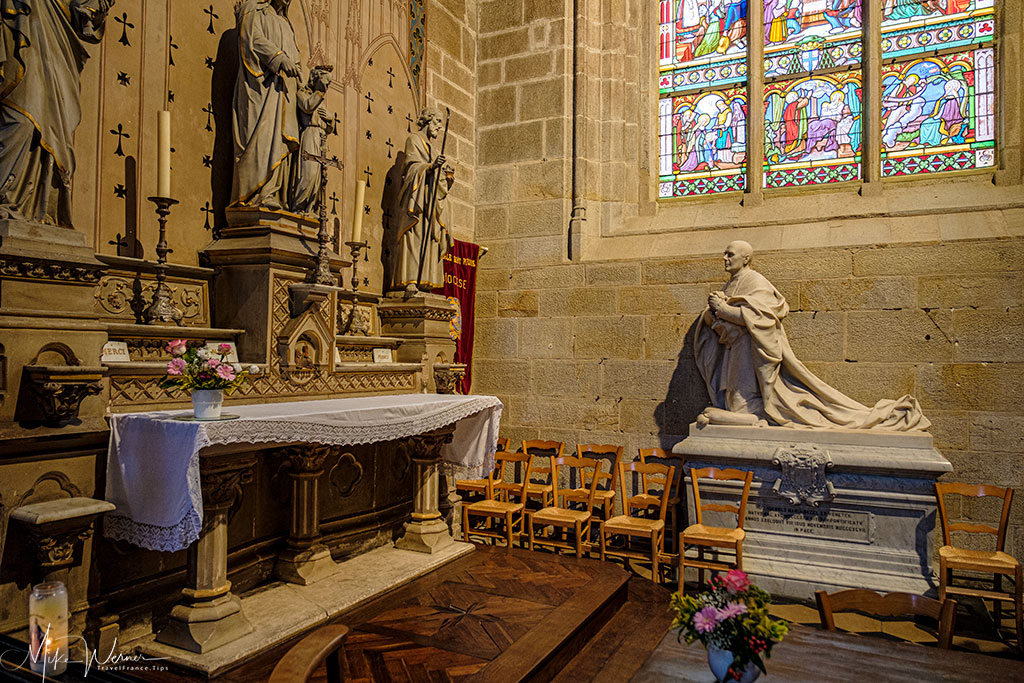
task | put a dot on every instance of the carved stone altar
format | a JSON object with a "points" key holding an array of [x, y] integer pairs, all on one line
{"points": [[829, 509]]}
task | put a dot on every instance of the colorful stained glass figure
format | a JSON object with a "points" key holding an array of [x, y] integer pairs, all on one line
{"points": [[702, 44], [813, 130], [792, 22], [938, 113], [703, 142]]}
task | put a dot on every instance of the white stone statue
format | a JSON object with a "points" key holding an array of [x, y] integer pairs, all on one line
{"points": [[315, 125], [266, 124], [423, 161], [751, 371], [41, 60]]}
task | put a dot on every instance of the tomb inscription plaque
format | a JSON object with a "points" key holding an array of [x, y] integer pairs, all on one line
{"points": [[856, 526]]}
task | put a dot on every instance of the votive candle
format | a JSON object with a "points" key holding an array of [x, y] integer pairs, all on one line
{"points": [[357, 211], [48, 628], [163, 155]]}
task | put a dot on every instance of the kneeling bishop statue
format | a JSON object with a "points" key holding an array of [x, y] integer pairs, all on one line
{"points": [[753, 376]]}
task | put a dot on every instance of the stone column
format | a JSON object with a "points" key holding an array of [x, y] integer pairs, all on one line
{"points": [[209, 614], [305, 559], [426, 532]]}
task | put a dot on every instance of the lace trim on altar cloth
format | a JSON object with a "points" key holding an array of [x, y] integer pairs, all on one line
{"points": [[289, 431], [152, 537]]}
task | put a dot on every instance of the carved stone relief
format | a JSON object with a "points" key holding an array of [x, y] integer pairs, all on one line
{"points": [[346, 474], [124, 297], [804, 469]]}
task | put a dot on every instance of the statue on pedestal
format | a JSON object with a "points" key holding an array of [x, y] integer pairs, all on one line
{"points": [[41, 60], [422, 239], [315, 125], [266, 122], [753, 375]]}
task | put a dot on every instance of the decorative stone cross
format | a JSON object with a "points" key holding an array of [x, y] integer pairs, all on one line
{"points": [[121, 135], [391, 75], [213, 15], [368, 173], [389, 146], [208, 110], [334, 203], [208, 210], [369, 99], [125, 25]]}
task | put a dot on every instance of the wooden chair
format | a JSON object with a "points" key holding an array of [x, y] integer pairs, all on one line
{"points": [[560, 515], [888, 605], [479, 486], [997, 562], [646, 501], [627, 525], [498, 503], [704, 536], [325, 644], [539, 490], [605, 495]]}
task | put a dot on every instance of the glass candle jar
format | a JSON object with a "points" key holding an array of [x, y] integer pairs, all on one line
{"points": [[48, 628]]}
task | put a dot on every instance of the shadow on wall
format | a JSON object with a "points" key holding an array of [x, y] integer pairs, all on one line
{"points": [[222, 91], [686, 398]]}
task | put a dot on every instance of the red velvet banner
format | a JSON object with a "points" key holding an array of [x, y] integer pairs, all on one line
{"points": [[460, 266]]}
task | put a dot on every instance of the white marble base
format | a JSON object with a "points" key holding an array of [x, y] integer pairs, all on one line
{"points": [[279, 611], [863, 521]]}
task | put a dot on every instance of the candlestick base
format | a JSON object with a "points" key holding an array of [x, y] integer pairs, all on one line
{"points": [[356, 248], [162, 309]]}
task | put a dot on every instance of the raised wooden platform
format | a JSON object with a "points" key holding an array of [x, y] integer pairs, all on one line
{"points": [[495, 615]]}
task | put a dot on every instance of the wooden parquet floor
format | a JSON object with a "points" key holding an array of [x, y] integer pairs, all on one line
{"points": [[493, 615]]}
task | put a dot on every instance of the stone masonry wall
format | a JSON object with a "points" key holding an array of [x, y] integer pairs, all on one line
{"points": [[602, 352]]}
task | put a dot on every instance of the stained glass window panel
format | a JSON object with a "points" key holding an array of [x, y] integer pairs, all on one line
{"points": [[703, 143], [938, 114], [913, 27], [703, 44], [813, 130], [801, 36]]}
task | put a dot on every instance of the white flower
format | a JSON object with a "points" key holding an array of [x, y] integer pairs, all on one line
{"points": [[254, 369], [237, 367], [203, 353]]}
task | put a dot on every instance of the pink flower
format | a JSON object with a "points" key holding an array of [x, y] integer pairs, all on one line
{"points": [[176, 348], [212, 363], [224, 371], [224, 348], [706, 619], [732, 609], [736, 581], [176, 366]]}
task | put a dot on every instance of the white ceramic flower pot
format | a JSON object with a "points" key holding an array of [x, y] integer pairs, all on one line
{"points": [[720, 660], [206, 403]]}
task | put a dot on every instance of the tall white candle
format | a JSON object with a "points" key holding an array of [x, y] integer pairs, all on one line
{"points": [[163, 155], [357, 211], [48, 628]]}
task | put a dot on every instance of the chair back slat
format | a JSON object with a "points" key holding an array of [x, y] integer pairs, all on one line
{"points": [[974, 491], [603, 453], [658, 473], [516, 488], [717, 474], [888, 605], [502, 444], [540, 449], [580, 466]]}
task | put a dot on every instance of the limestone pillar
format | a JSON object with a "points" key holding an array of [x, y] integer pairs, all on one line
{"points": [[427, 531], [209, 614], [305, 558]]}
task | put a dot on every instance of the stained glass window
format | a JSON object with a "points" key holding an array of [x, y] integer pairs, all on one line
{"points": [[812, 95], [938, 95], [703, 108]]}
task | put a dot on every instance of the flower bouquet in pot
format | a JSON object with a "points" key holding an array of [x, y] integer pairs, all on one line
{"points": [[731, 620], [205, 375]]}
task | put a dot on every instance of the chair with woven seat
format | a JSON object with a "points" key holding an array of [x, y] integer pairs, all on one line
{"points": [[561, 515], [479, 486], [719, 538], [542, 449], [629, 526], [605, 495], [995, 562], [888, 605], [322, 646], [498, 503], [646, 501]]}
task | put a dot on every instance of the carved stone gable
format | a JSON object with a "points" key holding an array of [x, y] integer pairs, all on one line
{"points": [[803, 480]]}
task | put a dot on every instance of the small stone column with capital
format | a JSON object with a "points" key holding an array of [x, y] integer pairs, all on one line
{"points": [[209, 614], [305, 559], [426, 532]]}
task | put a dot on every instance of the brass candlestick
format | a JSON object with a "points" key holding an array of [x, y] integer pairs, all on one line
{"points": [[356, 248], [162, 308]]}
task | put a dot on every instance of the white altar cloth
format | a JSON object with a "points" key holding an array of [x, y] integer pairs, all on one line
{"points": [[153, 458]]}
